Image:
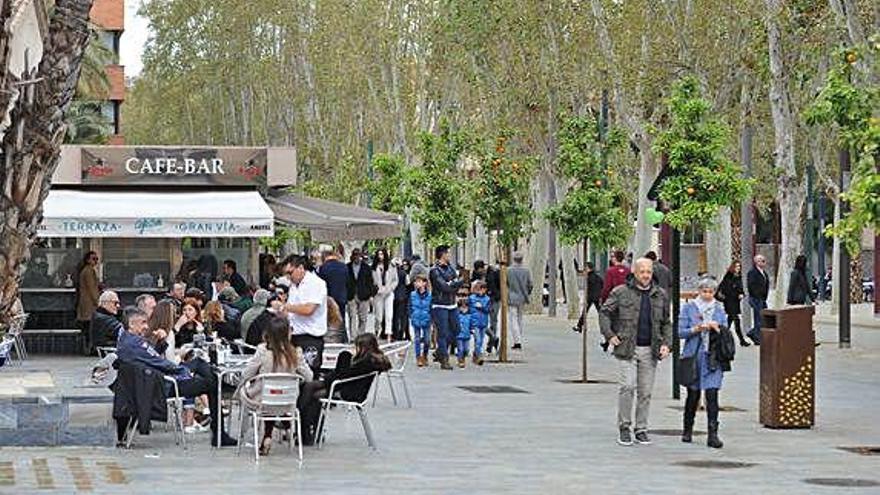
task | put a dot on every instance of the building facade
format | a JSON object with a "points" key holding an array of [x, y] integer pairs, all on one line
{"points": [[109, 18]]}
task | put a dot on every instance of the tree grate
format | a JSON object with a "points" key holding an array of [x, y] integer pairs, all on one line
{"points": [[672, 433], [703, 408], [706, 464], [846, 482], [862, 449], [493, 389]]}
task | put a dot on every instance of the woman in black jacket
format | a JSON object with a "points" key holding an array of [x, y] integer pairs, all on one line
{"points": [[798, 286], [367, 358], [730, 292]]}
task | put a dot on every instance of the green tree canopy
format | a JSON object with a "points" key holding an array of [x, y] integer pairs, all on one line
{"points": [[701, 177], [593, 208]]}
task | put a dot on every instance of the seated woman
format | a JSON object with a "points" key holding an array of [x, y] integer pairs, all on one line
{"points": [[367, 358], [159, 331], [216, 322], [189, 324], [275, 355]]}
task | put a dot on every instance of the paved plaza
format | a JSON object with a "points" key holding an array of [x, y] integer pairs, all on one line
{"points": [[555, 438]]}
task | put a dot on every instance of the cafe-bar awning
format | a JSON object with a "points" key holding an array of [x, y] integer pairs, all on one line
{"points": [[68, 213], [331, 221]]}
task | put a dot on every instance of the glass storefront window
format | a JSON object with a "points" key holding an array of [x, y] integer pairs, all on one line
{"points": [[136, 262], [53, 261], [234, 248]]}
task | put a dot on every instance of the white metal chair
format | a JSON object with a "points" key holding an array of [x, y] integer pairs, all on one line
{"points": [[398, 354], [16, 326], [358, 403], [279, 394], [175, 408], [103, 351], [6, 346]]}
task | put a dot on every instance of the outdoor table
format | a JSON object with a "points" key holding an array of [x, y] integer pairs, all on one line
{"points": [[230, 370]]}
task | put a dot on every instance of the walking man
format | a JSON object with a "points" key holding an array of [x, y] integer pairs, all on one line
{"points": [[758, 285], [519, 285], [444, 311], [635, 320], [360, 292]]}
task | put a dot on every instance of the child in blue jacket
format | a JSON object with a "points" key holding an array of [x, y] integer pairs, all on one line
{"points": [[420, 318], [479, 305], [464, 331]]}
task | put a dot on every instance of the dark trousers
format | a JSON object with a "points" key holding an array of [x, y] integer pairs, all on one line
{"points": [[400, 323], [312, 349], [446, 321], [734, 321], [757, 305], [203, 382], [309, 405], [693, 401], [580, 323]]}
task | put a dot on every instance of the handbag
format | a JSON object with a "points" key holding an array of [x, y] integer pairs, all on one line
{"points": [[687, 371]]}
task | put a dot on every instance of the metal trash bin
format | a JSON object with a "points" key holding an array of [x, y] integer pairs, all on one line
{"points": [[788, 368]]}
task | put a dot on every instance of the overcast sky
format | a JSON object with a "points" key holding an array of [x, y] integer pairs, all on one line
{"points": [[131, 47]]}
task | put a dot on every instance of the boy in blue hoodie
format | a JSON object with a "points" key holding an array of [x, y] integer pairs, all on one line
{"points": [[420, 318], [479, 305], [464, 331]]}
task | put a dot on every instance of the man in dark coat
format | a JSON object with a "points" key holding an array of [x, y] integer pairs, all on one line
{"points": [[235, 279], [360, 292], [105, 325], [594, 297], [662, 273], [335, 275], [758, 286]]}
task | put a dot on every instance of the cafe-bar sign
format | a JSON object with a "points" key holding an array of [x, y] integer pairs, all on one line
{"points": [[139, 165]]}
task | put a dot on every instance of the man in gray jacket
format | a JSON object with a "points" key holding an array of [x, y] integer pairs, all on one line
{"points": [[519, 285], [635, 320]]}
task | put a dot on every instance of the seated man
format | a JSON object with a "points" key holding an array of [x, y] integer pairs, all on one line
{"points": [[105, 325], [193, 380]]}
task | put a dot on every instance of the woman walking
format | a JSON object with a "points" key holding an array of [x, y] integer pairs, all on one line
{"points": [[798, 286], [385, 278], [709, 346], [87, 293], [730, 292]]}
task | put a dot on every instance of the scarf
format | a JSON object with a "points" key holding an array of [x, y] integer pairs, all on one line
{"points": [[707, 311]]}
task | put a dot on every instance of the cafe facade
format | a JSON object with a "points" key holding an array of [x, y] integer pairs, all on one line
{"points": [[146, 211]]}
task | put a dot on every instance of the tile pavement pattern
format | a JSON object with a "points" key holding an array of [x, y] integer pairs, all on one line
{"points": [[558, 438]]}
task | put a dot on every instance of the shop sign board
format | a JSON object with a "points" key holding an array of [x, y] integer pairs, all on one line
{"points": [[201, 166], [155, 227]]}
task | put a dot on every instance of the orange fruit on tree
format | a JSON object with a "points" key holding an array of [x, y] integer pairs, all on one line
{"points": [[598, 183], [691, 191], [852, 57]]}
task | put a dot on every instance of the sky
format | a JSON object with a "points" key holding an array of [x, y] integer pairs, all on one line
{"points": [[131, 46]]}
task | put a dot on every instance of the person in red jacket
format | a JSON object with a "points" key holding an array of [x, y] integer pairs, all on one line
{"points": [[615, 275]]}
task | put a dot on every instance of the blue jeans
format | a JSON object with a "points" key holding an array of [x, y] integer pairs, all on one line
{"points": [[462, 350], [423, 339], [446, 321], [479, 336], [757, 305]]}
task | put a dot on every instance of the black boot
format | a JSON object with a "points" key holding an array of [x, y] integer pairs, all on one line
{"points": [[690, 412], [713, 440], [739, 333], [712, 416]]}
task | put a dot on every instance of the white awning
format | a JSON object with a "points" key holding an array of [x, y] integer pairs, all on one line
{"points": [[155, 214]]}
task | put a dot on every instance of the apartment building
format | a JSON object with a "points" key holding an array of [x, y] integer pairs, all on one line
{"points": [[109, 17]]}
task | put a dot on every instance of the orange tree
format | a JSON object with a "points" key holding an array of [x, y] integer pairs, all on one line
{"points": [[700, 178], [503, 204], [852, 109], [593, 210]]}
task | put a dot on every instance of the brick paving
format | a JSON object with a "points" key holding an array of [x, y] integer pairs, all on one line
{"points": [[556, 438]]}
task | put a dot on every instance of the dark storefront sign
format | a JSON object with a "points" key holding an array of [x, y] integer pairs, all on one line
{"points": [[173, 166]]}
